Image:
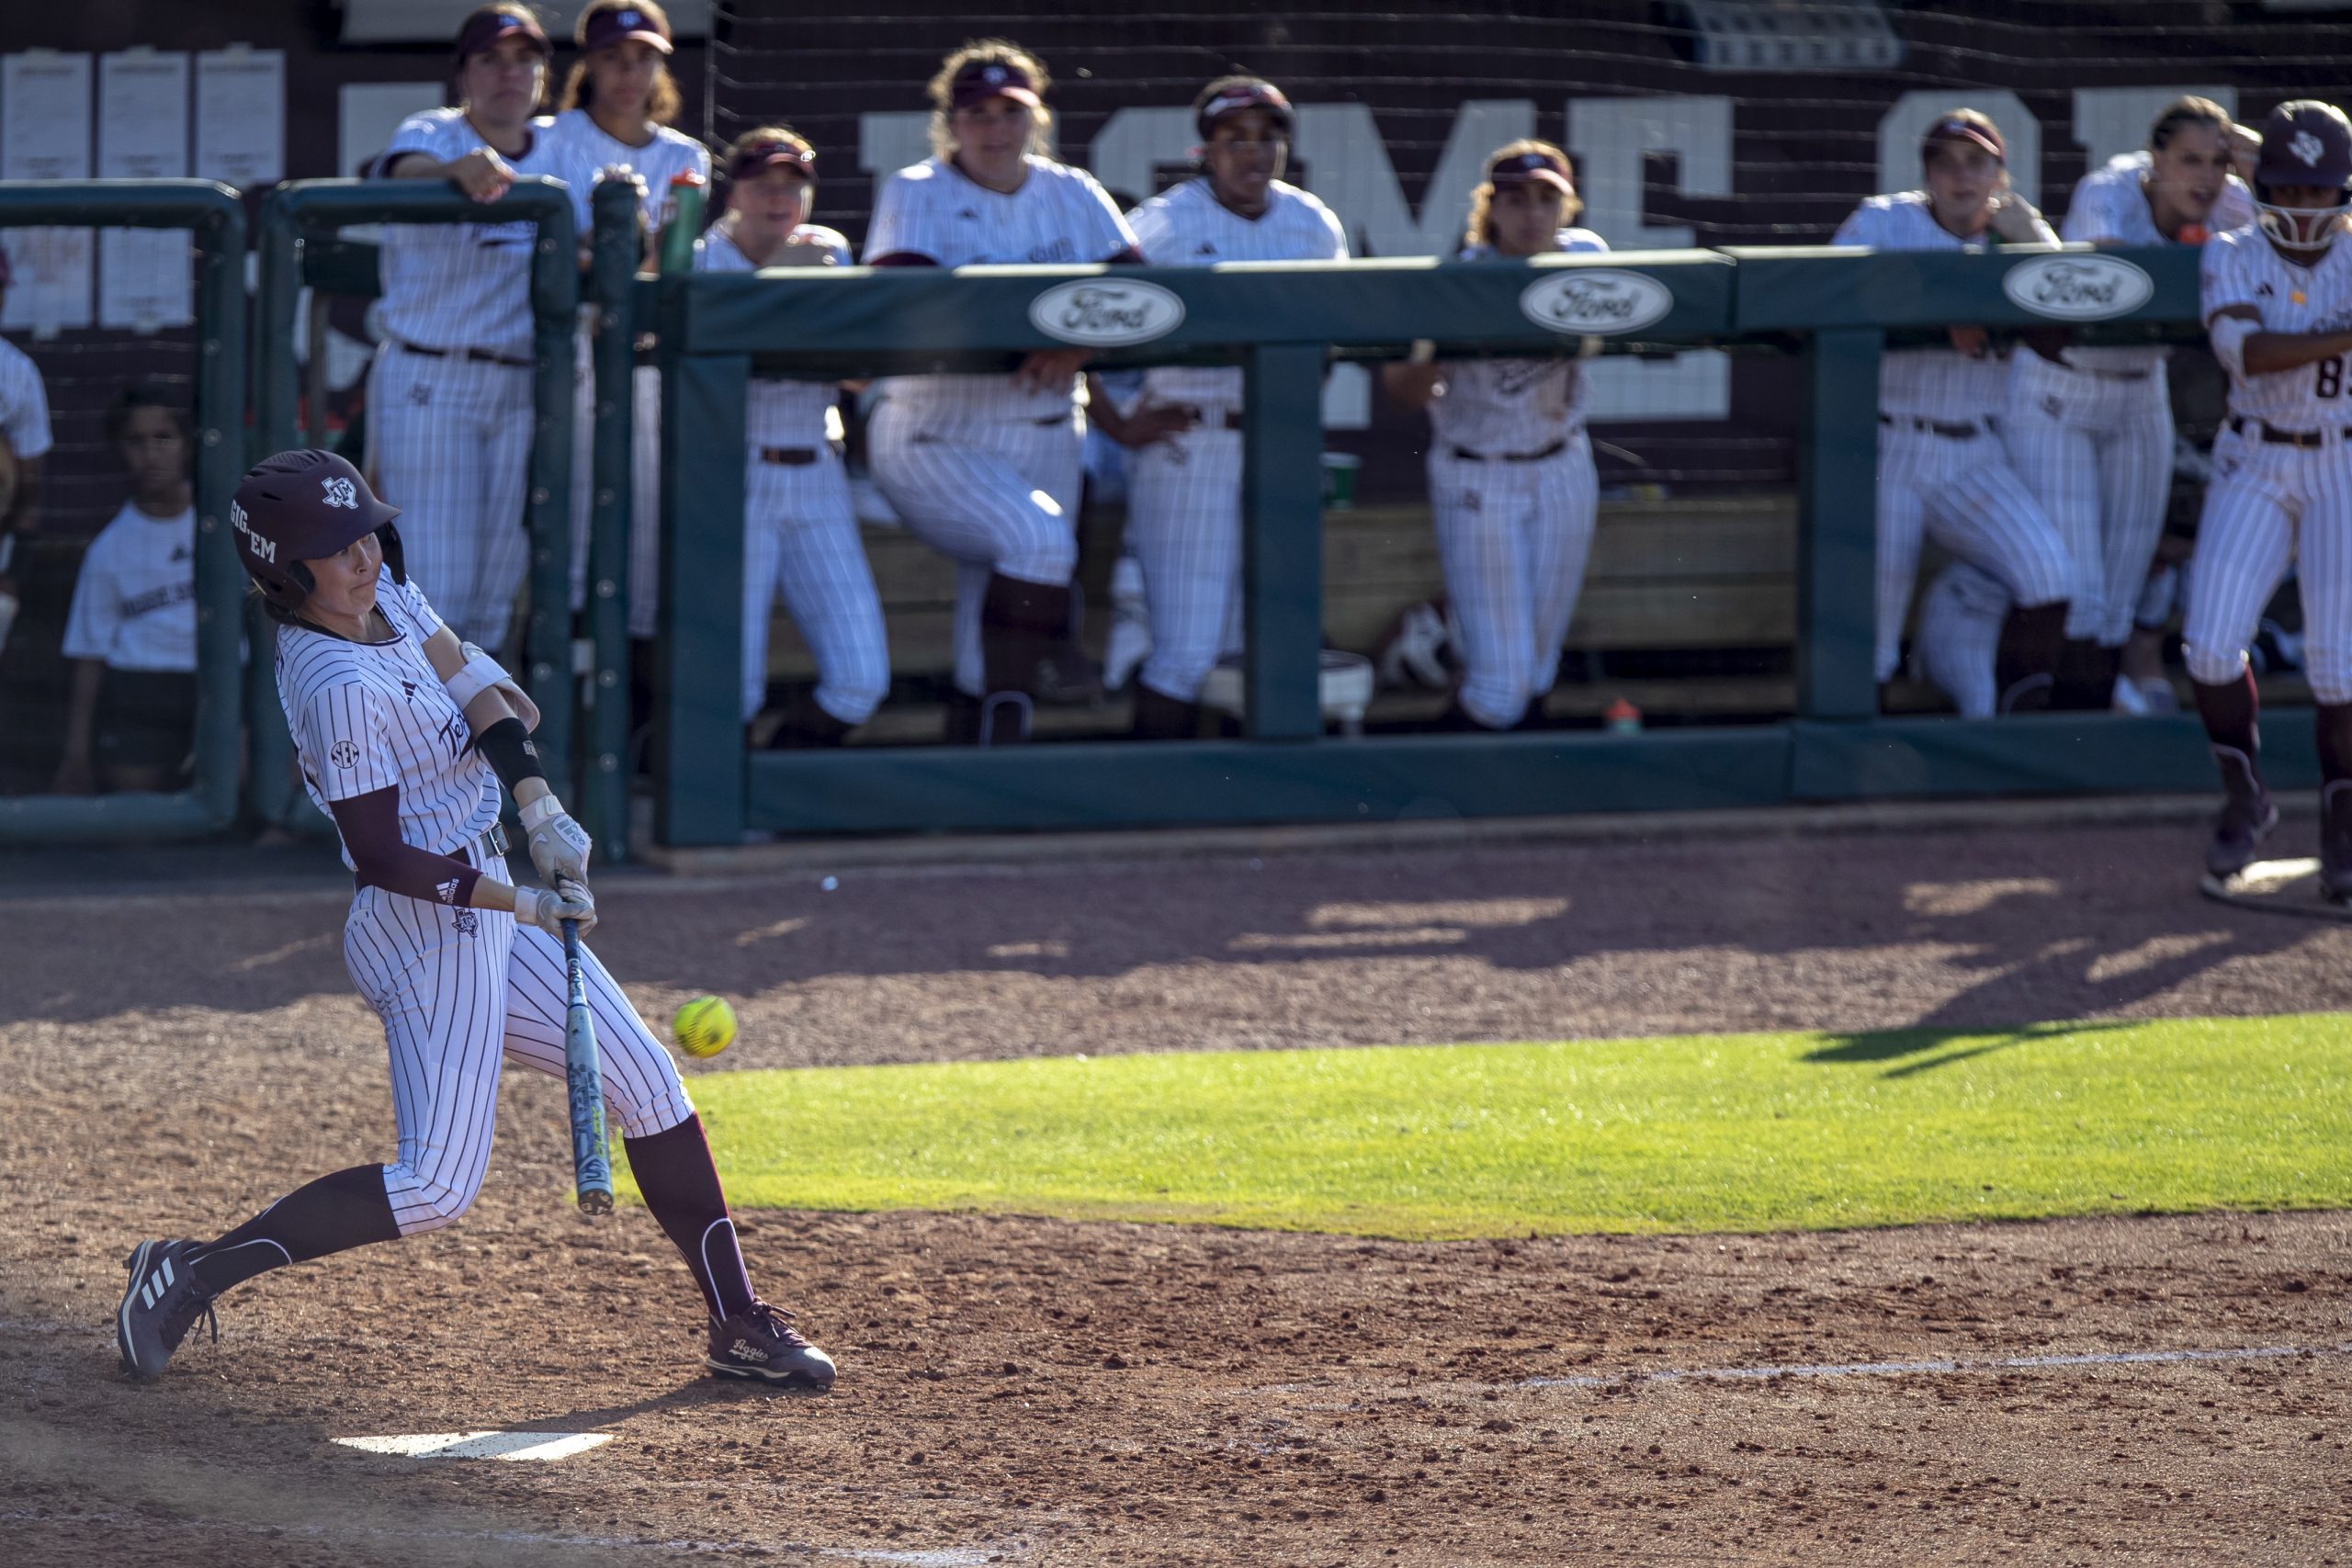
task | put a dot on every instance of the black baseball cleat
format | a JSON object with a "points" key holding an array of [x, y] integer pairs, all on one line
{"points": [[758, 1342], [2247, 816], [164, 1300]]}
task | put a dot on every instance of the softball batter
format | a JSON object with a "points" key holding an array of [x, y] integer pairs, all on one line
{"points": [[1512, 492], [2278, 307], [1941, 471], [403, 736], [800, 537], [615, 123], [986, 468], [450, 416], [2090, 431], [1184, 483]]}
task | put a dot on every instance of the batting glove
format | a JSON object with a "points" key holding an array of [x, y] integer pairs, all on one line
{"points": [[548, 910], [560, 846]]}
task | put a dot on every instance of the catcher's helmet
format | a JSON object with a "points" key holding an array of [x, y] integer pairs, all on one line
{"points": [[305, 505], [2304, 143]]}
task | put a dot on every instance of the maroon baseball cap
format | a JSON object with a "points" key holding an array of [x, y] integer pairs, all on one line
{"points": [[603, 29], [1532, 168], [771, 153], [485, 26], [981, 80], [1250, 95], [1974, 132]]}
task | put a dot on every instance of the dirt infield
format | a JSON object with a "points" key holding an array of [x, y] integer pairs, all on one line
{"points": [[1046, 1392]]}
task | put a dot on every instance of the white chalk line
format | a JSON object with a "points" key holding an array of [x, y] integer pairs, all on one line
{"points": [[1947, 1366]]}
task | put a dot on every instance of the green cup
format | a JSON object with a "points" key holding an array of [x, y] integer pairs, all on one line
{"points": [[1339, 480]]}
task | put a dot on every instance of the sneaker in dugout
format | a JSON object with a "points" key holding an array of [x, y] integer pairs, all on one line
{"points": [[163, 1302], [761, 1343]]}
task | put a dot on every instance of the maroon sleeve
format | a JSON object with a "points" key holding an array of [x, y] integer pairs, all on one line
{"points": [[904, 258], [370, 825], [1128, 257]]}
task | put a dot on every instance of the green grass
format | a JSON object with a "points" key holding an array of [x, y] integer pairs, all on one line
{"points": [[1720, 1133]]}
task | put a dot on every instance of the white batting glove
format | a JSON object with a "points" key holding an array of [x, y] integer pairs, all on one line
{"points": [[548, 910], [560, 846]]}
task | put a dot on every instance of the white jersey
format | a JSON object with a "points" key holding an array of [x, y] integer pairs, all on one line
{"points": [[24, 402], [1187, 226], [459, 285], [1059, 215], [581, 151], [134, 603], [2242, 268], [777, 412], [1929, 383], [1497, 406], [370, 716], [2111, 208]]}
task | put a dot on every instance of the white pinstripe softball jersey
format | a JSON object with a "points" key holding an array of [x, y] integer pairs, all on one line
{"points": [[1927, 383], [2111, 208], [134, 601], [777, 412], [370, 715], [2242, 268], [24, 402], [579, 151], [1059, 215], [459, 285], [1185, 225], [1512, 405]]}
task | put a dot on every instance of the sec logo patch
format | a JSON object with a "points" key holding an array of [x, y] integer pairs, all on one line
{"points": [[344, 754]]}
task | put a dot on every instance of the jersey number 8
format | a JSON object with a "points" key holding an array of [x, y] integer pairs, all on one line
{"points": [[2331, 377]]}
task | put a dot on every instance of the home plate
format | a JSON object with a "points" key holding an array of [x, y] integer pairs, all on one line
{"points": [[481, 1445], [2280, 886]]}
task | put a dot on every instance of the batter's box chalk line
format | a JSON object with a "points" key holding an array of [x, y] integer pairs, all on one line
{"points": [[1951, 1367], [481, 1445]]}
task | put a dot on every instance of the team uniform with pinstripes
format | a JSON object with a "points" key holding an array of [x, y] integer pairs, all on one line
{"points": [[977, 468], [1184, 493], [2092, 437], [1513, 498], [581, 151], [449, 414], [458, 990], [1941, 471], [2271, 502], [800, 538]]}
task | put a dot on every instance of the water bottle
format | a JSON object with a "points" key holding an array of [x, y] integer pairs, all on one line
{"points": [[687, 194]]}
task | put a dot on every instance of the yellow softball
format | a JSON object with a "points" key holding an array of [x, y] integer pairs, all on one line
{"points": [[704, 1027]]}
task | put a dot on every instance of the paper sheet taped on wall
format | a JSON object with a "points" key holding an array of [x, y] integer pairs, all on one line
{"points": [[144, 282], [45, 135]]}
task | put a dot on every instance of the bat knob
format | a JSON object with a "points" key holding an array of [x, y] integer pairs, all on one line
{"points": [[595, 1203]]}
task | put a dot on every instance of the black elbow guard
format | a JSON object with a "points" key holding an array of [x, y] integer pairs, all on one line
{"points": [[508, 747]]}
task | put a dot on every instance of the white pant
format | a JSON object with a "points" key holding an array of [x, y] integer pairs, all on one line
{"points": [[997, 494], [2097, 453], [2270, 504], [1962, 491], [1184, 526], [459, 991], [1513, 540], [449, 442], [645, 490], [801, 543]]}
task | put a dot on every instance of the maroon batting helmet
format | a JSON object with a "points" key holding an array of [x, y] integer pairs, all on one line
{"points": [[2304, 143], [301, 506]]}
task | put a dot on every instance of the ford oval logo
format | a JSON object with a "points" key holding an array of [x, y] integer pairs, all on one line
{"points": [[2078, 288], [1104, 313], [1595, 301]]}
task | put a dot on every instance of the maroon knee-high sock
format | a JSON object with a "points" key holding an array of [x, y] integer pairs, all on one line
{"points": [[681, 1187], [2333, 722], [334, 1214], [2228, 710]]}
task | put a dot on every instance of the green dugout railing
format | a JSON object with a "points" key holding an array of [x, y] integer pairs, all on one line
{"points": [[298, 246], [1281, 322], [214, 217]]}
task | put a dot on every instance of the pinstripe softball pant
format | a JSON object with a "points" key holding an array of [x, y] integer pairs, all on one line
{"points": [[449, 442], [2097, 453], [1962, 491], [998, 494], [2270, 504], [801, 543], [1184, 526], [1513, 540], [460, 990]]}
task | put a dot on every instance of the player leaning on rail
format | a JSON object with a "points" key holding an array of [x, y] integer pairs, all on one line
{"points": [[404, 734]]}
